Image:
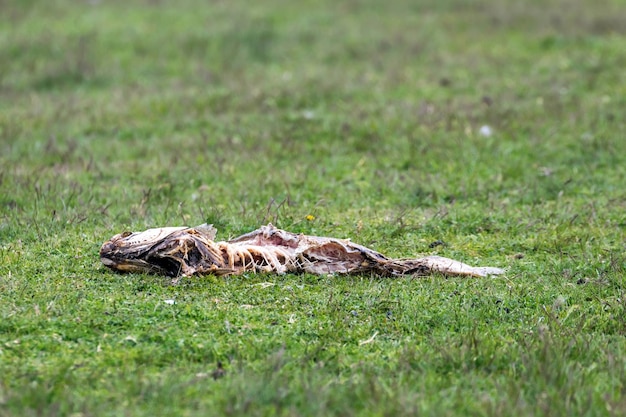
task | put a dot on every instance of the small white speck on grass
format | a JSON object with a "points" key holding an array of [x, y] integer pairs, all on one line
{"points": [[546, 171], [485, 131], [308, 114], [265, 284], [246, 306], [370, 340], [131, 339], [292, 319], [169, 302]]}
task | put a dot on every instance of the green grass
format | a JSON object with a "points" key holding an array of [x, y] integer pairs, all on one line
{"points": [[364, 114]]}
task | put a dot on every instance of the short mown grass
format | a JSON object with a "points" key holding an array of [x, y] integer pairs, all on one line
{"points": [[492, 128]]}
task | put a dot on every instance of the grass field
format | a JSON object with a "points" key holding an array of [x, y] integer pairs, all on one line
{"points": [[495, 127]]}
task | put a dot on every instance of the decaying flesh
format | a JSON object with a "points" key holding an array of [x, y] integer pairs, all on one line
{"points": [[185, 251]]}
